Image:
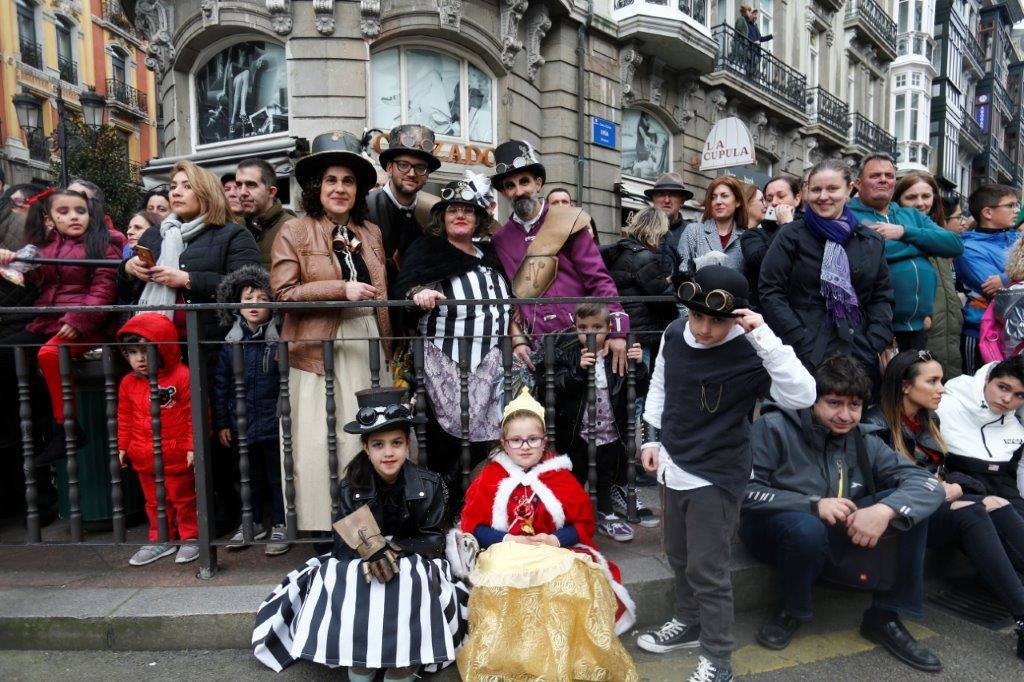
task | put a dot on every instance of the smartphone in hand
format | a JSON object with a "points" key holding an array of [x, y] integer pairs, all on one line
{"points": [[145, 255]]}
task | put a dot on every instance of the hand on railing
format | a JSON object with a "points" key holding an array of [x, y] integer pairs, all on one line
{"points": [[427, 298]]}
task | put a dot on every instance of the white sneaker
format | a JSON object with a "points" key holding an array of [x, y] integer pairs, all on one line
{"points": [[237, 540], [186, 554], [614, 527], [150, 553]]}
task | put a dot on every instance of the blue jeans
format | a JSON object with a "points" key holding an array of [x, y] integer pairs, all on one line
{"points": [[796, 544]]}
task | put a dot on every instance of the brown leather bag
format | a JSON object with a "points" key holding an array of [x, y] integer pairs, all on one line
{"points": [[540, 264]]}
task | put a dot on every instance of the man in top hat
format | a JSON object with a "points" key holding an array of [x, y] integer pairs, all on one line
{"points": [[548, 252], [669, 194], [397, 208]]}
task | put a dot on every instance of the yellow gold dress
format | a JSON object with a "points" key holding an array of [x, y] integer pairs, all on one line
{"points": [[538, 612]]}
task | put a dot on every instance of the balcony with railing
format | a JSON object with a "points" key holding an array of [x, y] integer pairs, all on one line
{"points": [[114, 14], [870, 137], [975, 55], [917, 44], [31, 53], [869, 19], [676, 31], [991, 86], [971, 134], [828, 111], [120, 93], [741, 64], [68, 69], [1003, 167]]}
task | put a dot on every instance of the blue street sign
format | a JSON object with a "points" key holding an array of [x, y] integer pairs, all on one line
{"points": [[982, 117], [605, 133]]}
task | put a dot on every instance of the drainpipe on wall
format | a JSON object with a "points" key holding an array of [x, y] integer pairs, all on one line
{"points": [[581, 100]]}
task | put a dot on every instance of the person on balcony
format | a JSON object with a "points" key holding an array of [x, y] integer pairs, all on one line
{"points": [[911, 239], [746, 27]]}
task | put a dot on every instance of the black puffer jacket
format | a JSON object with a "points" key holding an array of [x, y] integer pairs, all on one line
{"points": [[207, 258], [754, 245], [417, 528], [794, 307], [638, 271]]}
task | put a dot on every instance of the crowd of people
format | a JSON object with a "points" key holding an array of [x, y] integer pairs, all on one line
{"points": [[790, 366]]}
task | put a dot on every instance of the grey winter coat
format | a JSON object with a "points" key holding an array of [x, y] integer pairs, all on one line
{"points": [[700, 239], [797, 462]]}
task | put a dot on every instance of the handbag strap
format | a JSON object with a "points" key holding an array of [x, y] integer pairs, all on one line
{"points": [[863, 462]]}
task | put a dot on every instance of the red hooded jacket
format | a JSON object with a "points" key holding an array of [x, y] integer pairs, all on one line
{"points": [[75, 285], [134, 425]]}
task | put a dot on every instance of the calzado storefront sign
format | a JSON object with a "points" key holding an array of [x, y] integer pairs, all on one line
{"points": [[449, 152], [728, 145]]}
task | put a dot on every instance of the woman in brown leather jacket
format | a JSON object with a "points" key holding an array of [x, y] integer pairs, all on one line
{"points": [[331, 254]]}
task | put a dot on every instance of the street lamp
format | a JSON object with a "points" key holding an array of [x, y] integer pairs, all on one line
{"points": [[29, 111]]}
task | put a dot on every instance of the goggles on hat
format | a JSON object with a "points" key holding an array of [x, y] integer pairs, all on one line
{"points": [[410, 142], [462, 192], [518, 162], [716, 299], [368, 416]]}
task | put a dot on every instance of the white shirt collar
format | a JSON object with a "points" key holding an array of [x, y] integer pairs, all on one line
{"points": [[692, 341], [528, 225], [396, 202]]}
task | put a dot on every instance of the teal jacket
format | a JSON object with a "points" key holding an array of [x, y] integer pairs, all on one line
{"points": [[914, 279]]}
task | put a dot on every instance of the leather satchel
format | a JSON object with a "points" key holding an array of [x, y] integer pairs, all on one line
{"points": [[540, 264]]}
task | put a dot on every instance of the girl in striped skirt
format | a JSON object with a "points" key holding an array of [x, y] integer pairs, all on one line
{"points": [[399, 608]]}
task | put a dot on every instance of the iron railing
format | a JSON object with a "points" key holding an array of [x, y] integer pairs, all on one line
{"points": [[755, 65], [870, 136], [1000, 160], [68, 70], [826, 108], [122, 93], [31, 53], [874, 19], [970, 129], [102, 373], [997, 91], [974, 49]]}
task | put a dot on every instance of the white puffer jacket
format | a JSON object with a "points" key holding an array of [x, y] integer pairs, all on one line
{"points": [[971, 429]]}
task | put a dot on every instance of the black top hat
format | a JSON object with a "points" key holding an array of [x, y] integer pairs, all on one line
{"points": [[411, 139], [381, 408], [461, 192], [337, 148], [515, 156], [715, 290], [669, 182]]}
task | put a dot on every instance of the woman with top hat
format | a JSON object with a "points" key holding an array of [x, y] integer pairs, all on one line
{"points": [[333, 253], [445, 266], [384, 598], [546, 604]]}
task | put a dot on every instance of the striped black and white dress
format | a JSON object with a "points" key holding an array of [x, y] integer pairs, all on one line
{"points": [[327, 613]]}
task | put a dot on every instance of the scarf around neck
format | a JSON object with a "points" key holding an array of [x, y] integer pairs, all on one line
{"points": [[836, 285], [175, 236]]}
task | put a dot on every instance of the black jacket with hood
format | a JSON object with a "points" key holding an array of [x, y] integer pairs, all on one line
{"points": [[797, 462], [638, 271]]}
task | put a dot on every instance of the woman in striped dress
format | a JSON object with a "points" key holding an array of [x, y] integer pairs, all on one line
{"points": [[394, 606], [448, 265]]}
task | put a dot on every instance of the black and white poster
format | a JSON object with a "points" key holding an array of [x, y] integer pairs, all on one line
{"points": [[645, 146]]}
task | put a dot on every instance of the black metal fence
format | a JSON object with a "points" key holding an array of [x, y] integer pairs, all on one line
{"points": [[828, 109], [738, 55], [107, 368]]}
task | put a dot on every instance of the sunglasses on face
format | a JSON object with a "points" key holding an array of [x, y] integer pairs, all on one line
{"points": [[716, 299], [368, 416]]}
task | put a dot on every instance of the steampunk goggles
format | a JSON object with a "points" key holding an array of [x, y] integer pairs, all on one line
{"points": [[717, 299]]}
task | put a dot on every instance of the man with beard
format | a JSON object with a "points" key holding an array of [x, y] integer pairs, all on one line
{"points": [[397, 208], [669, 194], [257, 192], [548, 252]]}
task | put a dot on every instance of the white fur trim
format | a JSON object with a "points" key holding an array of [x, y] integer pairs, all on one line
{"points": [[628, 618], [530, 479]]}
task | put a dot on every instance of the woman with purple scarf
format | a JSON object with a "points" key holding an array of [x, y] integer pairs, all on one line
{"points": [[824, 282]]}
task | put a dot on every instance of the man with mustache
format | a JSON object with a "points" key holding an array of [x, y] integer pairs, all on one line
{"points": [[547, 252]]}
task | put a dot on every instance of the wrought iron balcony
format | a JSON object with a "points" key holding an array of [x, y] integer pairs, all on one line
{"points": [[1003, 166], [125, 95], [869, 136], [68, 70], [990, 85], [113, 13], [825, 108], [916, 43], [754, 65], [31, 53], [971, 134], [868, 17], [974, 51]]}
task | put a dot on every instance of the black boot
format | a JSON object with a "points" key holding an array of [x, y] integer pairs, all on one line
{"points": [[778, 632], [885, 629]]}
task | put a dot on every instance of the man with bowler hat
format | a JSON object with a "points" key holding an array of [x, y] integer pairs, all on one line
{"points": [[668, 194], [711, 369], [547, 252]]}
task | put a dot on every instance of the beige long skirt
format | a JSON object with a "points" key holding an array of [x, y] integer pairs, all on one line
{"points": [[309, 418]]}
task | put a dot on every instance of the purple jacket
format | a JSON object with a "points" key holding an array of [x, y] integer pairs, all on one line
{"points": [[581, 272]]}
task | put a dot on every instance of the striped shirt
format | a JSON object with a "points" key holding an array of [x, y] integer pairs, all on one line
{"points": [[486, 324]]}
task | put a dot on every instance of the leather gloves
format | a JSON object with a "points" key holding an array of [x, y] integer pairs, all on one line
{"points": [[360, 532]]}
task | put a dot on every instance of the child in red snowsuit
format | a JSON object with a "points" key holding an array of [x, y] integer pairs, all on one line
{"points": [[135, 434]]}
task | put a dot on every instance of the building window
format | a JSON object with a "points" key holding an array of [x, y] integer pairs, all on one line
{"points": [[31, 51], [646, 145], [915, 108], [899, 113], [901, 80], [812, 72], [240, 92], [915, 80], [767, 11], [448, 94], [117, 67], [65, 57]]}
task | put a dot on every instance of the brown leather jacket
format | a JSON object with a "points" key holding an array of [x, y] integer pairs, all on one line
{"points": [[304, 268]]}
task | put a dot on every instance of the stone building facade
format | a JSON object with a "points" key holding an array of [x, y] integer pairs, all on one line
{"points": [[611, 92]]}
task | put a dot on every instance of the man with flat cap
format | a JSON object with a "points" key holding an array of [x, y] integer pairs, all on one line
{"points": [[548, 252], [669, 194]]}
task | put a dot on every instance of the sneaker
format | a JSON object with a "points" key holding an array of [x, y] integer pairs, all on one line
{"points": [[709, 672], [277, 544], [645, 517], [614, 527], [150, 553], [237, 540], [186, 554], [671, 636]]}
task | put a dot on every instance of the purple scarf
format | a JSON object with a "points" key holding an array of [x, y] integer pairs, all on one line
{"points": [[836, 286]]}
